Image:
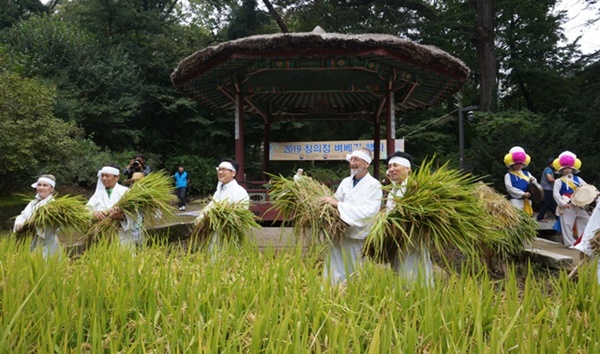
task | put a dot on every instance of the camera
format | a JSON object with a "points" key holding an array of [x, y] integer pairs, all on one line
{"points": [[136, 163]]}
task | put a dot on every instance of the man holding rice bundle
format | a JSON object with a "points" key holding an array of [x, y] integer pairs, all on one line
{"points": [[108, 193], [46, 238], [416, 261], [358, 199], [227, 190]]}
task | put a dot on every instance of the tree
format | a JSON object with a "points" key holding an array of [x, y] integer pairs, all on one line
{"points": [[33, 141], [97, 87]]}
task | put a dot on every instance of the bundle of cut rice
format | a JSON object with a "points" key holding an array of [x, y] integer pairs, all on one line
{"points": [[67, 213], [439, 208], [298, 202], [595, 242], [516, 227], [232, 222], [149, 199]]}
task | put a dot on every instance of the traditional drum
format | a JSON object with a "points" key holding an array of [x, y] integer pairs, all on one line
{"points": [[536, 191], [584, 195]]}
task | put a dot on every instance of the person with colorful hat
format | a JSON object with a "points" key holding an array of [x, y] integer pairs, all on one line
{"points": [[567, 164], [45, 238], [517, 179]]}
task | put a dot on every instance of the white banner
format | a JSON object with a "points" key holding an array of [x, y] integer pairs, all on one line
{"points": [[325, 150]]}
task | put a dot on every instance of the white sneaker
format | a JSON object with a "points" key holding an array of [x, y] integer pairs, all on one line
{"points": [[183, 207], [180, 208]]}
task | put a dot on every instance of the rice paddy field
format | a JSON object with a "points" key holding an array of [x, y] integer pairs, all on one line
{"points": [[162, 300]]}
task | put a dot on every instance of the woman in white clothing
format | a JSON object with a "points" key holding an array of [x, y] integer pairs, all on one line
{"points": [[414, 262], [44, 238]]}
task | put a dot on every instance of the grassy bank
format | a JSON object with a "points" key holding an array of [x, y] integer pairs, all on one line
{"points": [[247, 301]]}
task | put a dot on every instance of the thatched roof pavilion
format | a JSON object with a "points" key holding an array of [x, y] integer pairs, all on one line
{"points": [[319, 76]]}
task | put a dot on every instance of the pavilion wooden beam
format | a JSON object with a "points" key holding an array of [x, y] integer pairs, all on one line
{"points": [[390, 121], [266, 149], [239, 136], [376, 145]]}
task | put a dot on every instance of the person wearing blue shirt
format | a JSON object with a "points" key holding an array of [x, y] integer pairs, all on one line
{"points": [[547, 183], [182, 180]]}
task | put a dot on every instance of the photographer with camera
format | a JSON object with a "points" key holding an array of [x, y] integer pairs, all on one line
{"points": [[137, 164]]}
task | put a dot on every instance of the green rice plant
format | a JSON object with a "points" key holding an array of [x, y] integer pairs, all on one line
{"points": [[232, 222], [298, 202], [439, 209], [150, 199], [66, 212], [515, 226], [249, 301]]}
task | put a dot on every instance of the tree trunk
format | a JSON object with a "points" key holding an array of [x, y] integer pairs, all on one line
{"points": [[276, 16], [483, 38]]}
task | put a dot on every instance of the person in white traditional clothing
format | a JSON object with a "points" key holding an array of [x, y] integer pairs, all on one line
{"points": [[227, 189], [414, 262], [570, 216], [299, 174], [517, 179], [108, 193], [588, 234], [358, 199], [45, 238]]}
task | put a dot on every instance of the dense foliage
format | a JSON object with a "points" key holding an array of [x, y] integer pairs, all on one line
{"points": [[103, 68]]}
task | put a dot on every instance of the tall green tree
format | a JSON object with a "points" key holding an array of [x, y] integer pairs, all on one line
{"points": [[97, 87], [34, 142]]}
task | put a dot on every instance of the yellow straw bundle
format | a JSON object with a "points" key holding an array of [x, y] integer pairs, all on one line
{"points": [[517, 229], [298, 202], [595, 242], [439, 209], [67, 213], [148, 198], [232, 222]]}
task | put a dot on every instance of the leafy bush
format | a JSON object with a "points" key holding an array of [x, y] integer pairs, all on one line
{"points": [[203, 177]]}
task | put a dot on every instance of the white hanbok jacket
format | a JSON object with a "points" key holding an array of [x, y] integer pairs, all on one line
{"points": [[412, 263], [130, 228], [45, 237], [357, 206]]}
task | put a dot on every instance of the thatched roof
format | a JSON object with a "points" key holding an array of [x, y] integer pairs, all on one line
{"points": [[318, 75]]}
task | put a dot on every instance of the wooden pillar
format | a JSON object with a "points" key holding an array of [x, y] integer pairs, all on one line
{"points": [[376, 145], [390, 131], [266, 149], [239, 137]]}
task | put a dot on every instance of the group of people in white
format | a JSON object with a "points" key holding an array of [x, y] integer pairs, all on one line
{"points": [[358, 199]]}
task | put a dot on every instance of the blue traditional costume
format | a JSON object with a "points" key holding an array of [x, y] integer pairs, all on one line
{"points": [[516, 179], [570, 215]]}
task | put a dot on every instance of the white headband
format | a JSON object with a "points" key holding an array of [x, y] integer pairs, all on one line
{"points": [[360, 154], [399, 160], [109, 170], [226, 165], [44, 179]]}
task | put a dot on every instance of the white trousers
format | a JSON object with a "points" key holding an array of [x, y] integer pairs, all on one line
{"points": [[343, 260], [415, 265], [573, 216]]}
